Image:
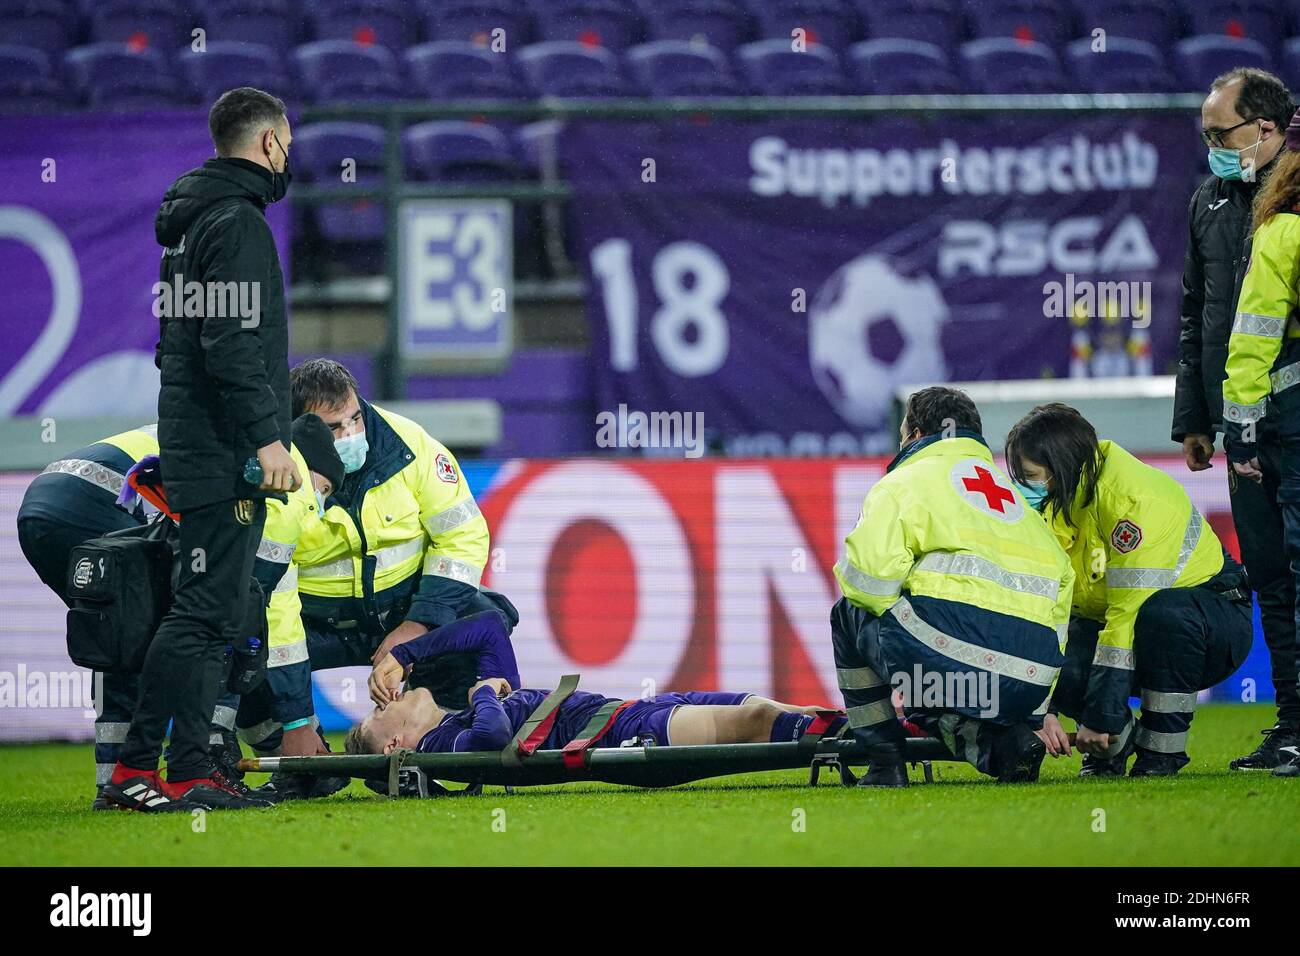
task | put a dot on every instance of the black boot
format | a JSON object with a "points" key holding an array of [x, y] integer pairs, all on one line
{"points": [[1266, 756], [1152, 764], [226, 756], [1017, 754], [1289, 765], [1095, 766], [285, 786], [885, 768]]}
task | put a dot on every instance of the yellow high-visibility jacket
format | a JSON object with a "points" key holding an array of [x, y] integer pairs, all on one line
{"points": [[403, 530], [81, 486], [1266, 315], [945, 522], [1140, 534]]}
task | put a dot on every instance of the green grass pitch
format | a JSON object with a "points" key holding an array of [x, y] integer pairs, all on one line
{"points": [[1206, 816]]}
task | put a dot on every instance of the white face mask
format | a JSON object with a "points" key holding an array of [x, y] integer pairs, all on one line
{"points": [[320, 504]]}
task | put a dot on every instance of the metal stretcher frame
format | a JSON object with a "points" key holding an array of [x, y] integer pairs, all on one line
{"points": [[641, 766]]}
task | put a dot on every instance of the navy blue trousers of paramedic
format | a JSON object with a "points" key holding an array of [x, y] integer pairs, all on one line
{"points": [[1257, 514], [871, 653], [47, 545], [1185, 640], [1286, 405]]}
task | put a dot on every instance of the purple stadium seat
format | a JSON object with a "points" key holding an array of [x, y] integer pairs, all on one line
{"points": [[115, 76], [1200, 59], [681, 68], [27, 81], [1155, 21], [721, 24], [897, 66], [394, 24], [450, 69], [1261, 20], [933, 21], [319, 150], [333, 70], [613, 24], [48, 25], [474, 20], [560, 68], [1126, 66], [833, 23], [227, 64], [140, 24], [1006, 65], [454, 151], [771, 68], [1042, 21], [273, 23], [1290, 65]]}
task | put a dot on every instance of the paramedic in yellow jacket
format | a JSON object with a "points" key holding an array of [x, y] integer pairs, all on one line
{"points": [[956, 593], [1160, 608], [72, 501], [402, 545], [1263, 364]]}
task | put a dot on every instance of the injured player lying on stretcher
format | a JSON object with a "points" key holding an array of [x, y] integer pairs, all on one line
{"points": [[498, 707]]}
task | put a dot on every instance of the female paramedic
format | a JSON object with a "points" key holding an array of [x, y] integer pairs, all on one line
{"points": [[1263, 365], [1160, 609]]}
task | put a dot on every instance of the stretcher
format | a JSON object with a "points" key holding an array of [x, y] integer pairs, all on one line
{"points": [[408, 772]]}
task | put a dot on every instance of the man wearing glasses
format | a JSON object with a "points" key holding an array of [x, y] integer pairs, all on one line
{"points": [[1243, 124]]}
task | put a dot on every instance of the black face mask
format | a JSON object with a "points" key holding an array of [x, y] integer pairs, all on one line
{"points": [[279, 181]]}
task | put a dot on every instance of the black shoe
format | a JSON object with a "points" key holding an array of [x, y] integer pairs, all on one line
{"points": [[1094, 766], [218, 792], [102, 802], [1017, 754], [888, 773], [1266, 756], [1152, 764], [1289, 762], [285, 786], [145, 794], [226, 756]]}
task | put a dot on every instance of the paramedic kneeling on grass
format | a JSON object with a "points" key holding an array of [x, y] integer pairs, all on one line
{"points": [[955, 591], [1159, 606]]}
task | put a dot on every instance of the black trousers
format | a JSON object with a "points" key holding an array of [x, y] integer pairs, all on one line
{"points": [[47, 545], [1185, 640], [1286, 409], [184, 668], [1257, 515]]}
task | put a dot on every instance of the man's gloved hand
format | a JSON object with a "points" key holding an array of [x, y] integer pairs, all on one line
{"points": [[1242, 448]]}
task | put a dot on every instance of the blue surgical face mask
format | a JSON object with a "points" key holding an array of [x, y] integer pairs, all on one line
{"points": [[320, 504], [1035, 493], [1226, 163], [352, 451]]}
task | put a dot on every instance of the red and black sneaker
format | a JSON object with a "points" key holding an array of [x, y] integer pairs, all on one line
{"points": [[145, 792], [219, 792]]}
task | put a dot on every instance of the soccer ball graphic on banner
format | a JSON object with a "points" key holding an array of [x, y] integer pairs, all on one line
{"points": [[870, 331]]}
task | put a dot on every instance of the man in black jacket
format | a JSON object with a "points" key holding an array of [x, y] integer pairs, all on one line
{"points": [[223, 352], [1244, 121]]}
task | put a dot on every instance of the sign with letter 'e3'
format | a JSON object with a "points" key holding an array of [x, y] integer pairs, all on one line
{"points": [[455, 278], [986, 489]]}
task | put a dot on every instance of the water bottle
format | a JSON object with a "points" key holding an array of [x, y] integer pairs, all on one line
{"points": [[247, 667], [253, 471]]}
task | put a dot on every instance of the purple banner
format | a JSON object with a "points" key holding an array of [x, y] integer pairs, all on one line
{"points": [[785, 277], [78, 196]]}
